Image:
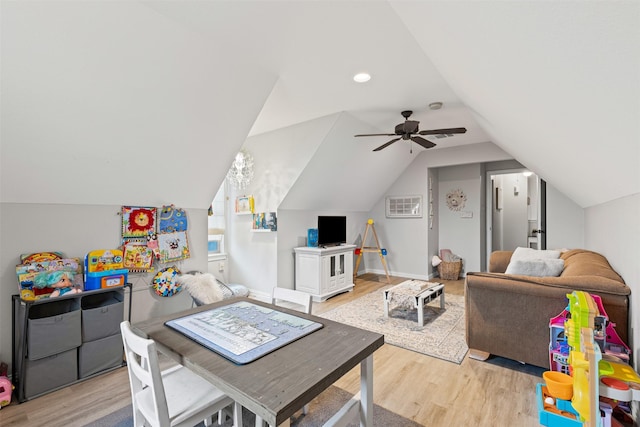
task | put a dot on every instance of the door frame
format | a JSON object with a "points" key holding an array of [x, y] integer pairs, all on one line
{"points": [[488, 226]]}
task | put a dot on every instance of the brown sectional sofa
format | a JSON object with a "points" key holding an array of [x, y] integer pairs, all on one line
{"points": [[508, 315]]}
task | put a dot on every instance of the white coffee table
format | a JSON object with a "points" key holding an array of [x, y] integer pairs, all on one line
{"points": [[415, 293]]}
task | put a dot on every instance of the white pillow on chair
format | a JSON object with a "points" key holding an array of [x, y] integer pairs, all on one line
{"points": [[203, 288]]}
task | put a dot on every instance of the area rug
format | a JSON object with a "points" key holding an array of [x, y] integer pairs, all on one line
{"points": [[442, 336], [320, 410]]}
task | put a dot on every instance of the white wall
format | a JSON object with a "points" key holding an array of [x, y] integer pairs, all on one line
{"points": [[565, 221], [410, 242], [397, 235], [613, 229], [279, 159], [514, 211], [459, 234], [75, 230]]}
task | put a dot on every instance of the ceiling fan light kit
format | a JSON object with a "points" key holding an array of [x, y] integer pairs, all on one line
{"points": [[409, 131]]}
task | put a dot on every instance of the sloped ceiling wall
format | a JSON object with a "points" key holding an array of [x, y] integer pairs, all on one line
{"points": [[112, 103], [556, 84], [102, 101], [344, 174]]}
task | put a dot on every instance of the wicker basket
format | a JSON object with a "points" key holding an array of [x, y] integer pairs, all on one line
{"points": [[449, 270]]}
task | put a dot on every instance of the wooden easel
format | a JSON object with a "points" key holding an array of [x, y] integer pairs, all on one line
{"points": [[364, 249]]}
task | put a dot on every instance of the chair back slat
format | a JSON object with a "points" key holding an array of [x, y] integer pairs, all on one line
{"points": [[301, 299]]}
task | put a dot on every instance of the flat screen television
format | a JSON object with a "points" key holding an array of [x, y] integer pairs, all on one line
{"points": [[332, 230]]}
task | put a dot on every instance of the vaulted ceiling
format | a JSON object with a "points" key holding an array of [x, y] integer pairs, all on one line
{"points": [[132, 102]]}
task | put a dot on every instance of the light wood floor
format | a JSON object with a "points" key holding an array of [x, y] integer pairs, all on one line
{"points": [[430, 391]]}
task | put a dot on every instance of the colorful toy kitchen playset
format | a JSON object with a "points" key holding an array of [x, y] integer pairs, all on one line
{"points": [[590, 380], [104, 268]]}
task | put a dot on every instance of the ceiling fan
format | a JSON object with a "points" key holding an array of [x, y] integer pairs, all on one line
{"points": [[409, 131]]}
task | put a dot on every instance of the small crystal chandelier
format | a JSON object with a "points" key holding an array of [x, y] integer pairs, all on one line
{"points": [[241, 172]]}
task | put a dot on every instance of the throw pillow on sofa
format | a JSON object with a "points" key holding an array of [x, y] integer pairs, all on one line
{"points": [[536, 267], [525, 254]]}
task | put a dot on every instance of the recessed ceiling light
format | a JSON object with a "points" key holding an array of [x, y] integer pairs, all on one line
{"points": [[362, 77], [435, 105]]}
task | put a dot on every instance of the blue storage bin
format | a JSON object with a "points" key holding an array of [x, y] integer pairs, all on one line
{"points": [[105, 279]]}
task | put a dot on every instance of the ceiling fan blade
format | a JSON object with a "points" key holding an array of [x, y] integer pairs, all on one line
{"points": [[423, 142], [411, 126], [377, 134], [442, 131], [387, 144]]}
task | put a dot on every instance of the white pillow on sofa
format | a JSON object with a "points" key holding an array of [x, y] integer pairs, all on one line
{"points": [[525, 254], [536, 267]]}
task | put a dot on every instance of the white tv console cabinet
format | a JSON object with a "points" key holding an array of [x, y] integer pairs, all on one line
{"points": [[324, 272]]}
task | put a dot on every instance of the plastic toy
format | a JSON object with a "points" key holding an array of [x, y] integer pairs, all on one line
{"points": [[372, 249], [611, 345], [619, 381], [6, 388], [165, 282], [103, 260], [60, 281], [558, 346], [152, 243], [104, 268], [27, 273], [583, 410], [586, 331]]}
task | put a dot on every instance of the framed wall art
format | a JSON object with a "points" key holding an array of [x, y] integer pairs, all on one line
{"points": [[138, 221], [173, 246], [138, 257], [244, 205]]}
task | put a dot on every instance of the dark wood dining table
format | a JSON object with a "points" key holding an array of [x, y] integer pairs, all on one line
{"points": [[280, 383]]}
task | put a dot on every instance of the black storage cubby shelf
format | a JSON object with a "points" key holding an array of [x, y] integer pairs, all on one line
{"points": [[59, 341]]}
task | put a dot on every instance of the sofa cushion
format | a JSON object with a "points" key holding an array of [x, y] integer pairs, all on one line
{"points": [[581, 262], [536, 267], [526, 254]]}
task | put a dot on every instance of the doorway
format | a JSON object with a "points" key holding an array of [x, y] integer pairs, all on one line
{"points": [[515, 208]]}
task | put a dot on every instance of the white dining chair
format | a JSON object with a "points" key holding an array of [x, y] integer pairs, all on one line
{"points": [[295, 300], [175, 397]]}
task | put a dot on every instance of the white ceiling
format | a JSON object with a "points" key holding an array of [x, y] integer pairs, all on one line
{"points": [[101, 85]]}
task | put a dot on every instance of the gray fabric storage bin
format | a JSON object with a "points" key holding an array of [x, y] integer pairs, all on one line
{"points": [[51, 372], [101, 315], [53, 327], [96, 356]]}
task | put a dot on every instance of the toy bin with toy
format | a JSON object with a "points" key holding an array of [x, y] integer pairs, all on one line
{"points": [[104, 268], [105, 279]]}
